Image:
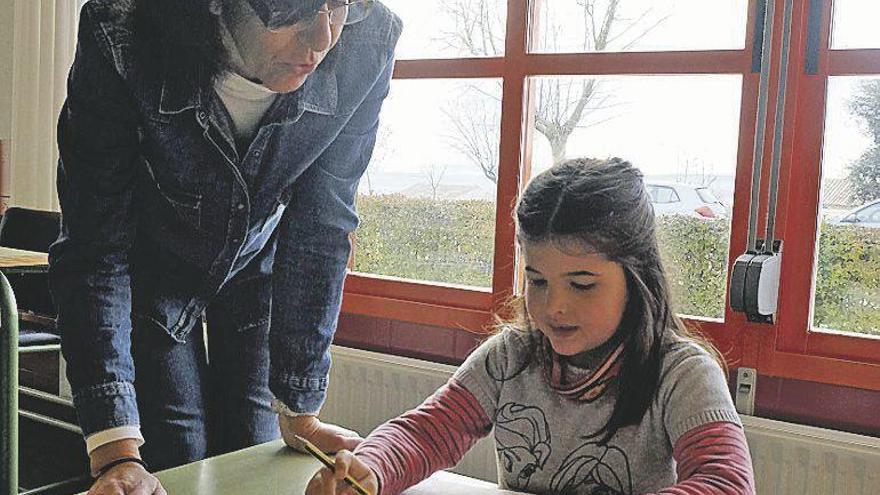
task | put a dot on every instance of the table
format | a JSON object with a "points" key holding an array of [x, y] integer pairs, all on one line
{"points": [[20, 261], [272, 468]]}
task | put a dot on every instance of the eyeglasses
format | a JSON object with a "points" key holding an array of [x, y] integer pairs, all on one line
{"points": [[339, 12]]}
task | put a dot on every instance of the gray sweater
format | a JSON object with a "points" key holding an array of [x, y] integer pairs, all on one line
{"points": [[543, 439]]}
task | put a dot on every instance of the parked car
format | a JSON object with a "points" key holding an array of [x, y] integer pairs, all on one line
{"points": [[867, 215], [677, 198]]}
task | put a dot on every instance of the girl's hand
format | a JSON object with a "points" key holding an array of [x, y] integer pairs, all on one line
{"points": [[327, 482]]}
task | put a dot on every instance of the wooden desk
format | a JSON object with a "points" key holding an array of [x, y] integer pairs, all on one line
{"points": [[20, 261], [274, 469]]}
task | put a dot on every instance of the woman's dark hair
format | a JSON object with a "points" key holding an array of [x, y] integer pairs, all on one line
{"points": [[179, 39], [602, 206]]}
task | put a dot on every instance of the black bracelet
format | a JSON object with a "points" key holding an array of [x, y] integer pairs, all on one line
{"points": [[122, 460]]}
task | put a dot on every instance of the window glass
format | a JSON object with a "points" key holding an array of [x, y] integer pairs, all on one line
{"points": [[638, 25], [450, 28], [847, 288], [855, 24], [427, 199]]}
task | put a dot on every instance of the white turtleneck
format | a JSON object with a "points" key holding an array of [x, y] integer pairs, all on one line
{"points": [[245, 100]]}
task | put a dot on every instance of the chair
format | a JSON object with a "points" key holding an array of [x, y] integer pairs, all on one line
{"points": [[32, 308], [8, 388], [9, 405], [32, 230]]}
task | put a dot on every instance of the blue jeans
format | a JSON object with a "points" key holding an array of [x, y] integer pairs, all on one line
{"points": [[197, 400]]}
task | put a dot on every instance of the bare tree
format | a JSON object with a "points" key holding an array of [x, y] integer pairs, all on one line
{"points": [[479, 31], [563, 104], [475, 121], [434, 174], [694, 170]]}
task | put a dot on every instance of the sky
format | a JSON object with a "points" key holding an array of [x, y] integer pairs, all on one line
{"points": [[660, 123]]}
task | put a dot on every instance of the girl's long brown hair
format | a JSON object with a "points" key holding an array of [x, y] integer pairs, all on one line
{"points": [[602, 206]]}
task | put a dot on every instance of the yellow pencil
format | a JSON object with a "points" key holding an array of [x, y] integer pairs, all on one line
{"points": [[327, 461]]}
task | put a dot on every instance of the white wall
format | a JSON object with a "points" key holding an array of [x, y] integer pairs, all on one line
{"points": [[6, 16], [43, 38]]}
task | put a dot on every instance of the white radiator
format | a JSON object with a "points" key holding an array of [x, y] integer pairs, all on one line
{"points": [[367, 388], [804, 460]]}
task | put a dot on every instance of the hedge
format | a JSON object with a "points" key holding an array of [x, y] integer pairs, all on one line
{"points": [[451, 241], [424, 239]]}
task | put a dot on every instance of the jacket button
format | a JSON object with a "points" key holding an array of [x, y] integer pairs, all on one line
{"points": [[235, 240], [240, 206]]}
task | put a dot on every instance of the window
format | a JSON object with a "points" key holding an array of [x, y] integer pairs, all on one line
{"points": [[451, 28], [854, 25], [427, 200], [847, 294], [492, 92], [436, 200], [829, 316], [426, 247]]}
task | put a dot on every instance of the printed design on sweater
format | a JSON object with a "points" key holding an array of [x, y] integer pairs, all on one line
{"points": [[495, 369], [522, 437], [593, 469]]}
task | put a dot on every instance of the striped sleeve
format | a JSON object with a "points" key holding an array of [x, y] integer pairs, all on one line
{"points": [[713, 459], [434, 436]]}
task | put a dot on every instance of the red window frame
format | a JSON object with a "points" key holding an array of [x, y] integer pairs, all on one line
{"points": [[787, 348], [794, 349]]}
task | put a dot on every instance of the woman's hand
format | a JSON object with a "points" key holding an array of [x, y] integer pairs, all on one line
{"points": [[327, 437], [127, 479], [327, 482]]}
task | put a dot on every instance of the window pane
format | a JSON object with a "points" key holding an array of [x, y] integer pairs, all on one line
{"points": [[847, 294], [427, 199], [450, 28], [638, 25], [684, 140], [855, 24]]}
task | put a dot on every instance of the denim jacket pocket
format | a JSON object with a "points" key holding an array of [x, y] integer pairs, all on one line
{"points": [[176, 323], [187, 205], [244, 304]]}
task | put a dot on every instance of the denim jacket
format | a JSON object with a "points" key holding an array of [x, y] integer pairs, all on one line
{"points": [[159, 209]]}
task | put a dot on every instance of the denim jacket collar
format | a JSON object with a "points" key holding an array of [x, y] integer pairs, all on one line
{"points": [[178, 96], [320, 90]]}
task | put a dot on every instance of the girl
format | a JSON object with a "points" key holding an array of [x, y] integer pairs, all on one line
{"points": [[597, 387]]}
